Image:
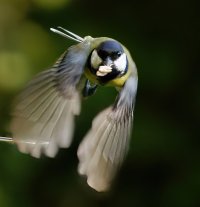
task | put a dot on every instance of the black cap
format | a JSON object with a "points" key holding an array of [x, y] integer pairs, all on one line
{"points": [[110, 48]]}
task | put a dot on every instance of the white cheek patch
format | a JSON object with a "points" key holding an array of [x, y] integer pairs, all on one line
{"points": [[121, 62], [95, 60]]}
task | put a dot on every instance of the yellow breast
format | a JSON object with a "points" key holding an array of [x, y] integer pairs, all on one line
{"points": [[116, 82]]}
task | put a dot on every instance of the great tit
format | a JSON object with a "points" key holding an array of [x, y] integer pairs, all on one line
{"points": [[43, 117]]}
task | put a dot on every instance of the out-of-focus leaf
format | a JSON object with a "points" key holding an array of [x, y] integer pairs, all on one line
{"points": [[14, 70], [50, 4]]}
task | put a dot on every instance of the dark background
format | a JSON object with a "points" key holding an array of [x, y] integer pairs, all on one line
{"points": [[162, 167]]}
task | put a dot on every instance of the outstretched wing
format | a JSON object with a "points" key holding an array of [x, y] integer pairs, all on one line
{"points": [[43, 117], [104, 147]]}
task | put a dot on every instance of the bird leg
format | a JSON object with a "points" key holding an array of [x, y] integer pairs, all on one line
{"points": [[89, 89]]}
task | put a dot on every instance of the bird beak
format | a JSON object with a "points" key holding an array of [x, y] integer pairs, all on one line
{"points": [[105, 68]]}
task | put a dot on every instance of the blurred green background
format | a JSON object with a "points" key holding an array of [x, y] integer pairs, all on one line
{"points": [[163, 164]]}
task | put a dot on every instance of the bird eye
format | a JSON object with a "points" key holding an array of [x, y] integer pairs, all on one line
{"points": [[116, 55]]}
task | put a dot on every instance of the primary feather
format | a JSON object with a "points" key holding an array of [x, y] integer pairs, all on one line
{"points": [[102, 150], [43, 118], [104, 147]]}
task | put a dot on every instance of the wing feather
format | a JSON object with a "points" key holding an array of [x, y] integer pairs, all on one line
{"points": [[88, 146], [104, 147], [43, 117]]}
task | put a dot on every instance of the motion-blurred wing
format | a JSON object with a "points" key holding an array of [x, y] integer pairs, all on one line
{"points": [[104, 147], [43, 118]]}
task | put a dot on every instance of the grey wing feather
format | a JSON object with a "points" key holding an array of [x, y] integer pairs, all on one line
{"points": [[43, 117], [104, 147]]}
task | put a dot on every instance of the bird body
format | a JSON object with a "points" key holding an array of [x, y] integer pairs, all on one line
{"points": [[43, 116]]}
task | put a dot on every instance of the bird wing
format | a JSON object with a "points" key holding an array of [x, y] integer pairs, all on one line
{"points": [[105, 145], [43, 116]]}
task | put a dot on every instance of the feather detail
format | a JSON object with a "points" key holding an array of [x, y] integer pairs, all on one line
{"points": [[43, 117], [99, 153], [45, 124], [104, 147]]}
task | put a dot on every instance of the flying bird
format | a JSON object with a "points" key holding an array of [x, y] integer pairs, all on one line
{"points": [[43, 116]]}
